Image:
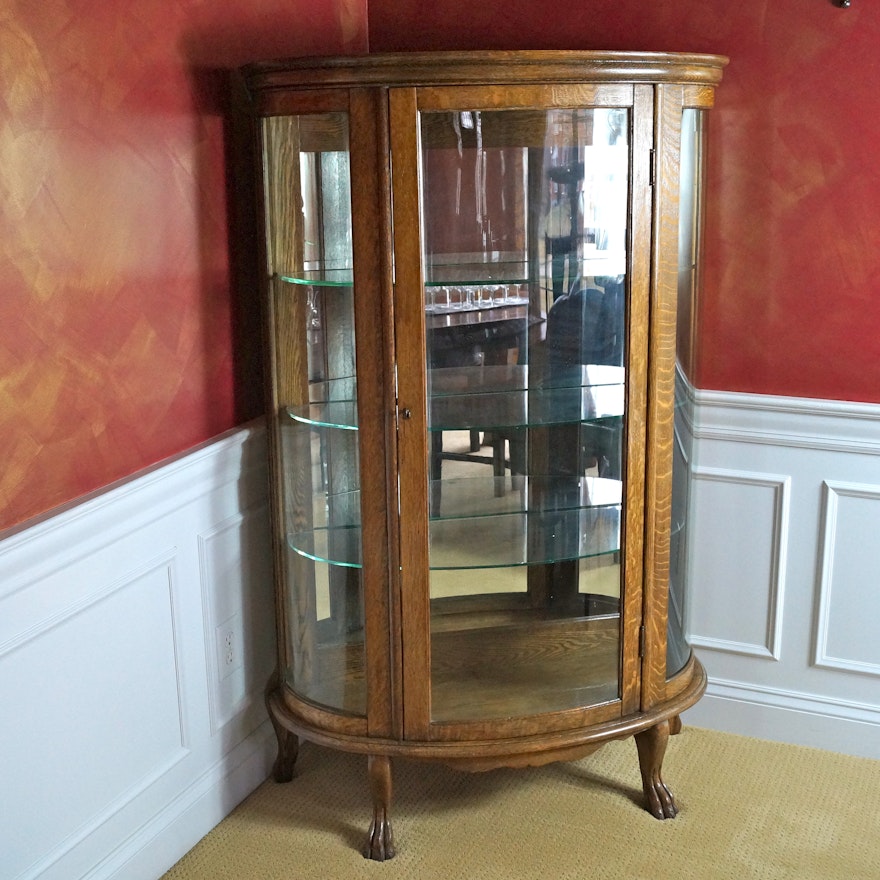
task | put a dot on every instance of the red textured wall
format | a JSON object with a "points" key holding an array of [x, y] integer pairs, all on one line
{"points": [[791, 294], [123, 338], [120, 331]]}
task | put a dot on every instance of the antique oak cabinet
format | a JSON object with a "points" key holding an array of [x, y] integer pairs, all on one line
{"points": [[479, 278]]}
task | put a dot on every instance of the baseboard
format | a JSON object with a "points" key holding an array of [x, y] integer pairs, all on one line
{"points": [[792, 718], [155, 847]]}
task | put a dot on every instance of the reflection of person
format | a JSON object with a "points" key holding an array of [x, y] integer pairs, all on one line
{"points": [[581, 328], [614, 307]]}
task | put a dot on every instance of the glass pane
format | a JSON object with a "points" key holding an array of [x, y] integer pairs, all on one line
{"points": [[677, 648], [524, 216], [317, 395]]}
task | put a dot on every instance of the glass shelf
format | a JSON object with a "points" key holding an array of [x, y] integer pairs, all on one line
{"points": [[468, 318], [473, 497], [501, 398], [323, 277], [477, 272], [493, 398], [488, 398], [515, 539], [332, 404], [341, 414], [474, 301], [565, 518], [337, 545]]}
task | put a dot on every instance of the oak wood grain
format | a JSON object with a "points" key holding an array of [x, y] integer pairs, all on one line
{"points": [[475, 681]]}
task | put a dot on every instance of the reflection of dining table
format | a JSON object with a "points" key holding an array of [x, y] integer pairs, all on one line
{"points": [[462, 336]]}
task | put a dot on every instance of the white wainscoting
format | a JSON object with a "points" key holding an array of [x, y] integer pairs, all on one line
{"points": [[129, 726], [784, 606]]}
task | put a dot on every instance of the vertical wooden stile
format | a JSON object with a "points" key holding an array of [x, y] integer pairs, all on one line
{"points": [[372, 281], [413, 429], [661, 385], [638, 322]]}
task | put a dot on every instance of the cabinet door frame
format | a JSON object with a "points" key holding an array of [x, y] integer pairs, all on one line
{"points": [[405, 105]]}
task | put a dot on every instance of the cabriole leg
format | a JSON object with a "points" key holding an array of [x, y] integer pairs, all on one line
{"points": [[651, 745], [288, 747], [380, 839], [288, 751]]}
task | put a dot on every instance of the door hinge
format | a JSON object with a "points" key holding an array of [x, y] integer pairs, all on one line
{"points": [[652, 163], [641, 642]]}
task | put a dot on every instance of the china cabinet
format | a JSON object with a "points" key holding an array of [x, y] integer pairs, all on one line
{"points": [[479, 283]]}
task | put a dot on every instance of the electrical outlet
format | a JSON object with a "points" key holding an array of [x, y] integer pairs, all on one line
{"points": [[230, 643]]}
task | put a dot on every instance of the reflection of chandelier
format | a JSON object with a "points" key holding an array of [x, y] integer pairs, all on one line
{"points": [[471, 120]]}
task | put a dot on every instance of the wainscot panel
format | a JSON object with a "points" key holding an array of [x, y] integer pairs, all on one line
{"points": [[785, 510], [127, 732]]}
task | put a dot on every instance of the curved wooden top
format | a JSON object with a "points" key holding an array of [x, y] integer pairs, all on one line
{"points": [[485, 67]]}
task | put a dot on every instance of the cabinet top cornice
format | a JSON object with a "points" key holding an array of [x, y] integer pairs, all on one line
{"points": [[486, 67]]}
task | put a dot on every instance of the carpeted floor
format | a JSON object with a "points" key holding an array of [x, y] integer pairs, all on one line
{"points": [[748, 809]]}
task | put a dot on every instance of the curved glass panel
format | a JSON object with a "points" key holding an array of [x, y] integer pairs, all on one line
{"points": [[524, 217], [309, 233], [677, 649]]}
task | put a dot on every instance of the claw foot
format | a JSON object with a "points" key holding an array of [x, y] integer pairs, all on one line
{"points": [[380, 839], [651, 745], [661, 804]]}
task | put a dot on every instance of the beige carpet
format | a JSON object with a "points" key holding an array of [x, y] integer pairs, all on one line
{"points": [[748, 809]]}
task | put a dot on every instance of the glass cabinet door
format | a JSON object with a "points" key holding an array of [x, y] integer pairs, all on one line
{"points": [[308, 199], [526, 278]]}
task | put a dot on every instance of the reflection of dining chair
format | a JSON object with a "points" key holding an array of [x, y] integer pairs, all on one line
{"points": [[613, 287], [581, 329], [497, 459], [470, 345]]}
